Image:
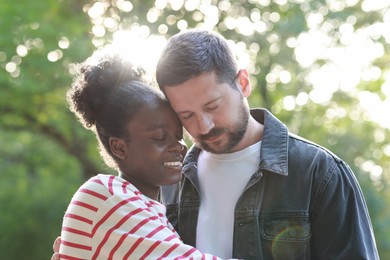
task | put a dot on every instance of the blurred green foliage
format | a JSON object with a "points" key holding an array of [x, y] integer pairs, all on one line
{"points": [[45, 154]]}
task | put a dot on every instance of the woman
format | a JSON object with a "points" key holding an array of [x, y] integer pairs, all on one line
{"points": [[119, 217]]}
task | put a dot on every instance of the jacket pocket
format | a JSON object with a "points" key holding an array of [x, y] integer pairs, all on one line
{"points": [[286, 235]]}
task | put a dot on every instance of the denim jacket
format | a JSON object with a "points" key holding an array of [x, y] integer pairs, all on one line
{"points": [[302, 203]]}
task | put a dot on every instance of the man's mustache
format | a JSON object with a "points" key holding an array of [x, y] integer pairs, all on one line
{"points": [[213, 132]]}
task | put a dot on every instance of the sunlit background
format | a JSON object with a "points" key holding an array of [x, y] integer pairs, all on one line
{"points": [[349, 63], [321, 66]]}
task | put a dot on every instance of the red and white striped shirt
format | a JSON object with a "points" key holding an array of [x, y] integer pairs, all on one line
{"points": [[108, 218]]}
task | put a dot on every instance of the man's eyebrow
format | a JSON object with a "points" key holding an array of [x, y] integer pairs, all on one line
{"points": [[212, 101], [204, 105], [183, 112]]}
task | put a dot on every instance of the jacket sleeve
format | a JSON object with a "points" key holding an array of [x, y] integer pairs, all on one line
{"points": [[169, 196], [341, 227]]}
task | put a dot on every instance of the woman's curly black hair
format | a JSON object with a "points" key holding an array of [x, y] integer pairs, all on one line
{"points": [[106, 93]]}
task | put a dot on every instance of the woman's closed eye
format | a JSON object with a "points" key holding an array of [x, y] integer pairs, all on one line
{"points": [[158, 137]]}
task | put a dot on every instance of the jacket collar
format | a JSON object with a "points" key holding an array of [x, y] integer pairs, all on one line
{"points": [[274, 145]]}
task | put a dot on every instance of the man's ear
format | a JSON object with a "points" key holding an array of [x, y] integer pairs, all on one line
{"points": [[118, 147], [244, 82]]}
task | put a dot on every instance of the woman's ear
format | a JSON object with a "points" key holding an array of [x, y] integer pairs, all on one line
{"points": [[118, 147], [245, 84]]}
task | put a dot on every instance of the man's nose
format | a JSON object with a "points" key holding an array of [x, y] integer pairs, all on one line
{"points": [[205, 123]]}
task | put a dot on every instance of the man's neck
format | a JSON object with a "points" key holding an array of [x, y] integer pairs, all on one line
{"points": [[254, 134]]}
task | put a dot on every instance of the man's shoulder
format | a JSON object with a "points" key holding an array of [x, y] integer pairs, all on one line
{"points": [[310, 148]]}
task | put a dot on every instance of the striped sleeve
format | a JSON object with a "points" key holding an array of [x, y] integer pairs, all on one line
{"points": [[132, 228], [118, 222], [76, 233]]}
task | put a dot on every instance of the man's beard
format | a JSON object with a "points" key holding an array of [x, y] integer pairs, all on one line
{"points": [[234, 137]]}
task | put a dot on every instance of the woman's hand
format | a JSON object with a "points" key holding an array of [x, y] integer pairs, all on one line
{"points": [[56, 249]]}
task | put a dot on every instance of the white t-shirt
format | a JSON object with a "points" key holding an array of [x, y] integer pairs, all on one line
{"points": [[222, 179]]}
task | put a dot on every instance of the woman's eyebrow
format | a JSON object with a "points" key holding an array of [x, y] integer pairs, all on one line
{"points": [[155, 126]]}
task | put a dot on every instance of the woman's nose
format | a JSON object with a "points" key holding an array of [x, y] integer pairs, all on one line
{"points": [[179, 147]]}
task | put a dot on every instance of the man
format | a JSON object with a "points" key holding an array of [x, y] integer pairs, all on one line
{"points": [[251, 189]]}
